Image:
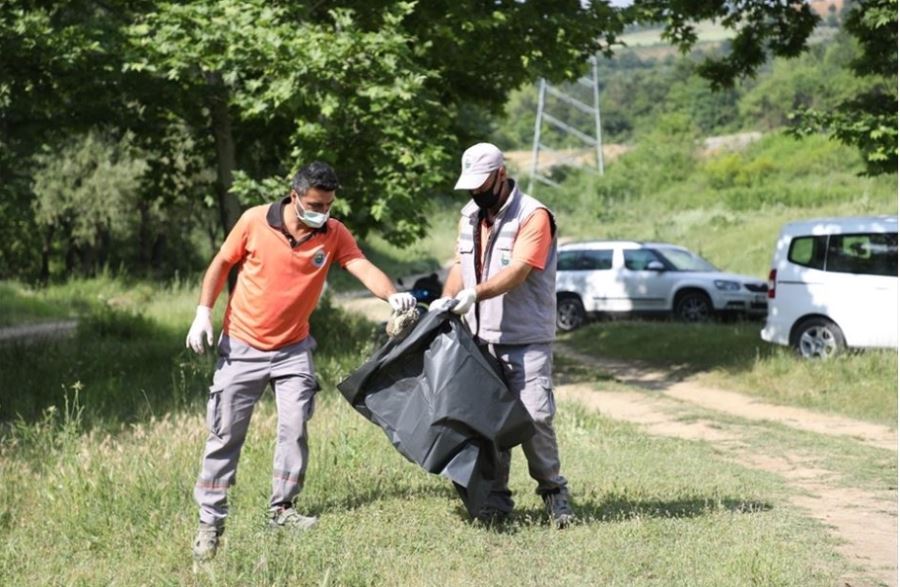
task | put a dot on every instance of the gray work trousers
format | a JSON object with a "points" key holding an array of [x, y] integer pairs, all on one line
{"points": [[241, 376], [528, 369]]}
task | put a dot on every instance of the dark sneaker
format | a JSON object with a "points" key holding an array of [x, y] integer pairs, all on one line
{"points": [[289, 518], [557, 506], [490, 516], [206, 543]]}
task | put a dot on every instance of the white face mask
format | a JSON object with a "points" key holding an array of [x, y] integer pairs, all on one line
{"points": [[310, 218]]}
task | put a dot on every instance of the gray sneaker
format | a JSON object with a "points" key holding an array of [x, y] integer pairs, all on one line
{"points": [[206, 543], [290, 518], [557, 506]]}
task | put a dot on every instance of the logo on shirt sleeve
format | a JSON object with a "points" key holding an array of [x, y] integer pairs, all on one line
{"points": [[319, 258]]}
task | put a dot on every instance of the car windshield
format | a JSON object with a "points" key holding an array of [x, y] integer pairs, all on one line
{"points": [[686, 260]]}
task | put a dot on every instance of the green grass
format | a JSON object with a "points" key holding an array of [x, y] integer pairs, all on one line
{"points": [[85, 508], [732, 356], [96, 477], [128, 361], [22, 305]]}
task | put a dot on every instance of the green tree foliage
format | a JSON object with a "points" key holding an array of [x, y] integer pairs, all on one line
{"points": [[89, 188], [762, 29], [224, 99], [819, 80], [868, 118]]}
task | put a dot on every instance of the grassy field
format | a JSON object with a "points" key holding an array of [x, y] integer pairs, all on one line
{"points": [[96, 475], [732, 356]]}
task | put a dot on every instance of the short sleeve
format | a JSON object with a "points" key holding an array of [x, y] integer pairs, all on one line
{"points": [[235, 246], [532, 244], [347, 250]]}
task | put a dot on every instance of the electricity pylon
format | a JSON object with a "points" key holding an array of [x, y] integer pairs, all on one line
{"points": [[543, 116]]}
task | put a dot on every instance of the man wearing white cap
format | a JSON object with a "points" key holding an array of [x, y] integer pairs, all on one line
{"points": [[504, 283]]}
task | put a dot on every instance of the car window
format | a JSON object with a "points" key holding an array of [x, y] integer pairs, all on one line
{"points": [[567, 260], [871, 254], [681, 260], [808, 251], [637, 259], [595, 260]]}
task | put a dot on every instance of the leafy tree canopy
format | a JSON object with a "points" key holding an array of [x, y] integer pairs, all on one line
{"points": [[388, 91]]}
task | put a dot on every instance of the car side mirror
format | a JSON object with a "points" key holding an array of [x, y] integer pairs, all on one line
{"points": [[655, 266]]}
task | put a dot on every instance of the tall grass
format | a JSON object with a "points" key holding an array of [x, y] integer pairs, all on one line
{"points": [[128, 358], [98, 509]]}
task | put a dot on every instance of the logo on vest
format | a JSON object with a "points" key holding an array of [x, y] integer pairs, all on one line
{"points": [[319, 258], [505, 258]]}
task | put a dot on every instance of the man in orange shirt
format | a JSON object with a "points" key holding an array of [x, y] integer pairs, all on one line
{"points": [[504, 283], [283, 251]]}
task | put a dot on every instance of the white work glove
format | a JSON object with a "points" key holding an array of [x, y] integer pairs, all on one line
{"points": [[464, 301], [202, 325], [401, 302], [440, 304]]}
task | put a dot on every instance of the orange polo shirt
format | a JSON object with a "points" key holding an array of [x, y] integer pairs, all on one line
{"points": [[533, 241], [279, 283]]}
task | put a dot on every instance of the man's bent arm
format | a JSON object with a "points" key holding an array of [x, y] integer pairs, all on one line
{"points": [[214, 281], [508, 279], [372, 277]]}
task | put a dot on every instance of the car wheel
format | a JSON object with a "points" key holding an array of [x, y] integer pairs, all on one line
{"points": [[569, 313], [693, 306], [819, 338]]}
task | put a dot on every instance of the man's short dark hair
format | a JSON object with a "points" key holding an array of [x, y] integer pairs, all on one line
{"points": [[315, 175]]}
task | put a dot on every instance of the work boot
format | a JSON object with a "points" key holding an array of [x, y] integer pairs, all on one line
{"points": [[288, 517], [206, 543], [557, 506]]}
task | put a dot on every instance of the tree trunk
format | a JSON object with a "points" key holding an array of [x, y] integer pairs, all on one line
{"points": [[46, 249], [144, 238], [220, 119]]}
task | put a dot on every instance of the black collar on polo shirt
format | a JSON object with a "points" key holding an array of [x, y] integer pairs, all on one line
{"points": [[276, 220]]}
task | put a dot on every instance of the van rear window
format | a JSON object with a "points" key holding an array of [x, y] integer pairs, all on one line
{"points": [[869, 254], [808, 251]]}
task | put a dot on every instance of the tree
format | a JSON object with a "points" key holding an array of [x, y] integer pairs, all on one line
{"points": [[90, 189], [766, 29], [868, 119]]}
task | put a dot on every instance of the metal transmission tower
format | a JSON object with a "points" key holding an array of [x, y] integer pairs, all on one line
{"points": [[543, 116]]}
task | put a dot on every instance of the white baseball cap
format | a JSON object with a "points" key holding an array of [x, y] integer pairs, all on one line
{"points": [[478, 162]]}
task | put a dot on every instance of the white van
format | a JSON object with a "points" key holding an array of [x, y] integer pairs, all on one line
{"points": [[833, 284]]}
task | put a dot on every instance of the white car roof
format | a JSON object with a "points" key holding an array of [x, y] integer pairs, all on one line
{"points": [[841, 225]]}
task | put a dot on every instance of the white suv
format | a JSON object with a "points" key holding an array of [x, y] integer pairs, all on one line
{"points": [[833, 284], [619, 277]]}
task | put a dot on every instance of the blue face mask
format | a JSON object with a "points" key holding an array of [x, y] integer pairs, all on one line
{"points": [[310, 218]]}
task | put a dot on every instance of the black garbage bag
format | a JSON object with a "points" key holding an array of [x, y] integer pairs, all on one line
{"points": [[443, 403]]}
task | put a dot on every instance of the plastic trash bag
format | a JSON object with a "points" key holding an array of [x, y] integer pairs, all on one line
{"points": [[443, 403]]}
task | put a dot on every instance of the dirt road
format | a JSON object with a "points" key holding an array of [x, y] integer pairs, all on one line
{"points": [[864, 522]]}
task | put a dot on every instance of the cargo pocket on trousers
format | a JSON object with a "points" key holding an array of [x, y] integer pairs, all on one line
{"points": [[214, 411], [547, 386]]}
